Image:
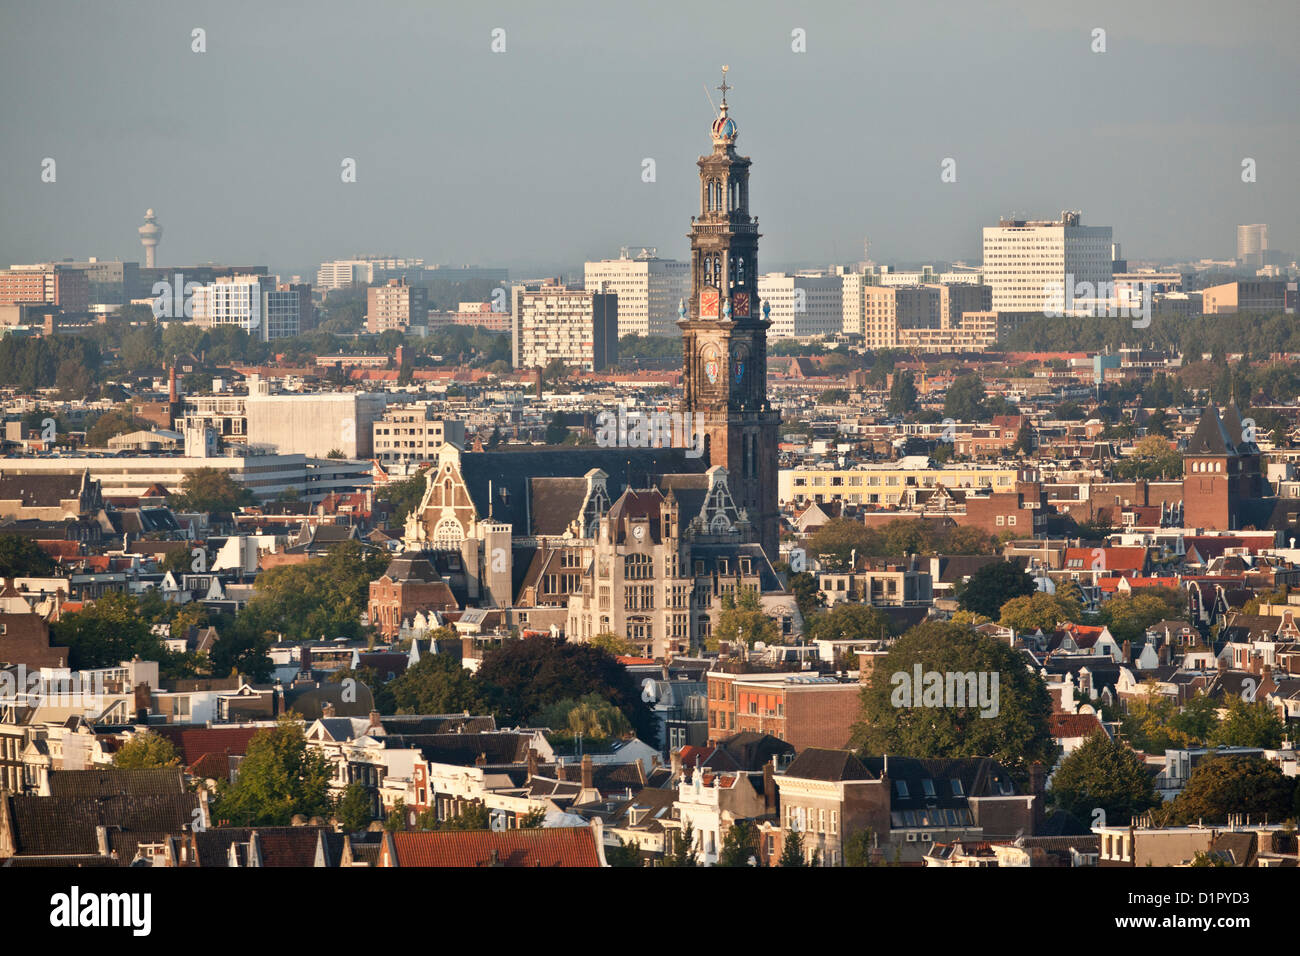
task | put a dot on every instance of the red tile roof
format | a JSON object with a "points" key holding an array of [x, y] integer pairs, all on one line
{"points": [[194, 743], [1062, 726], [559, 846]]}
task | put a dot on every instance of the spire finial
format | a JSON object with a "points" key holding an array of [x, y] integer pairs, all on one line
{"points": [[724, 87]]}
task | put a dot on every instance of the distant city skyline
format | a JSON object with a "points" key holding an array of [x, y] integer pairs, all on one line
{"points": [[533, 158]]}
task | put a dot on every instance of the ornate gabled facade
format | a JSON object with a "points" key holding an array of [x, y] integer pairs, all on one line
{"points": [[662, 563]]}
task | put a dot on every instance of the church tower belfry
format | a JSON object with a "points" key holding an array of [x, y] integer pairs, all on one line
{"points": [[724, 333]]}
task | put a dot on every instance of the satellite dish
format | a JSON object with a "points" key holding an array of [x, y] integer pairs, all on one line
{"points": [[649, 690]]}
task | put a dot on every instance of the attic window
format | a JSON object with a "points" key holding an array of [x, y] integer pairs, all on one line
{"points": [[927, 785], [900, 787], [956, 789]]}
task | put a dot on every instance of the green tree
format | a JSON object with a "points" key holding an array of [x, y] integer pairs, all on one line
{"points": [[834, 542], [396, 819], [1248, 724], [624, 855], [1107, 774], [106, 633], [807, 595], [438, 684], [23, 558], [1233, 784], [403, 496], [324, 596], [353, 808], [792, 854], [146, 751], [616, 645], [739, 845], [858, 848], [527, 675], [208, 490], [1153, 457], [850, 622], [965, 400], [1039, 611], [681, 850], [1016, 735], [279, 778], [902, 394], [558, 429], [992, 586], [533, 820], [1129, 615], [592, 716], [743, 619]]}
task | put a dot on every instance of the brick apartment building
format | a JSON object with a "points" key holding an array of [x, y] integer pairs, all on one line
{"points": [[409, 585], [805, 710]]}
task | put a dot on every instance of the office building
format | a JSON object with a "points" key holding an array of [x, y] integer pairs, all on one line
{"points": [[1041, 265], [649, 290], [396, 305], [575, 326], [261, 307], [804, 305]]}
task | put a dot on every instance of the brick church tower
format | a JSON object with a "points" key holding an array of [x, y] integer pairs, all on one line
{"points": [[1221, 472], [724, 336]]}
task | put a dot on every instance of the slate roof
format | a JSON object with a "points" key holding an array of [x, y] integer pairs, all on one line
{"points": [[511, 474], [66, 825], [817, 763], [114, 783]]}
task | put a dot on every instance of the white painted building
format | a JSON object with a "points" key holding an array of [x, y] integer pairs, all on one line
{"points": [[649, 290], [1032, 265], [803, 306]]}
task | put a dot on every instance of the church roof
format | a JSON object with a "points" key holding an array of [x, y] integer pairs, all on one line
{"points": [[1212, 436], [512, 475]]}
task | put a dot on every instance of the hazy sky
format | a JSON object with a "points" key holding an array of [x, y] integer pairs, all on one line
{"points": [[532, 158]]}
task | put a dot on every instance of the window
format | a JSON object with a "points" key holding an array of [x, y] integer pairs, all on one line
{"points": [[956, 789], [900, 788], [927, 785]]}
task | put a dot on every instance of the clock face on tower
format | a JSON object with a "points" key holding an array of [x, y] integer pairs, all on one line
{"points": [[708, 303], [740, 305]]}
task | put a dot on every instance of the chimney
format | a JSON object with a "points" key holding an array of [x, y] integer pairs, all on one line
{"points": [[481, 759], [532, 763], [172, 393], [375, 722], [1127, 650], [1164, 654], [143, 703], [676, 758], [561, 772], [1222, 664], [587, 783], [326, 710], [1037, 778], [769, 786]]}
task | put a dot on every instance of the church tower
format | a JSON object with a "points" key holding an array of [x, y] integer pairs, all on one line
{"points": [[724, 336]]}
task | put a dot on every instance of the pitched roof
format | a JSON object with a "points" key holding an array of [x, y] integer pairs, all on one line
{"points": [[553, 847], [817, 763], [111, 782]]}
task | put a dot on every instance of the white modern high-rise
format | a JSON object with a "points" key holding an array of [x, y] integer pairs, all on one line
{"points": [[649, 290], [258, 305], [1037, 265], [803, 306], [1252, 243]]}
